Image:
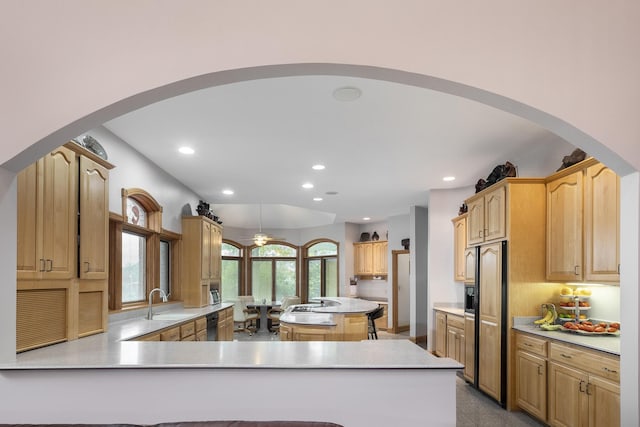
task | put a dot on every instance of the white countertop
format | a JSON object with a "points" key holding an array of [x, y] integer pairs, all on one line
{"points": [[111, 350], [607, 343], [323, 316]]}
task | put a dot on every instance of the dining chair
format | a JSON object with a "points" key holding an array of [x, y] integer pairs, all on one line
{"points": [[245, 318], [274, 313]]}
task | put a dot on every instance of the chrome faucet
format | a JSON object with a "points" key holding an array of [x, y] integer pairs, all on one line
{"points": [[164, 299]]}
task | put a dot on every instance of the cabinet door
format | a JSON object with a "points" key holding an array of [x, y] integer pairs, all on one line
{"points": [[470, 265], [495, 225], [564, 228], [441, 334], [531, 384], [452, 343], [379, 257], [216, 253], [489, 315], [30, 264], [475, 221], [469, 348], [363, 255], [459, 246], [601, 224], [568, 400], [59, 231], [94, 220], [206, 250], [604, 403]]}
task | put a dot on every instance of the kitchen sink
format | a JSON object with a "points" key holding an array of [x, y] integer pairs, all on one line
{"points": [[171, 316]]}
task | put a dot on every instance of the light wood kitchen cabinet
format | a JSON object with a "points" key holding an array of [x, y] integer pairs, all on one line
{"points": [[94, 220], [455, 338], [490, 318], [601, 224], [459, 247], [583, 224], [470, 265], [62, 247], [580, 387], [441, 334], [531, 378], [486, 215], [171, 334], [47, 217], [370, 258], [469, 347], [201, 243], [225, 324]]}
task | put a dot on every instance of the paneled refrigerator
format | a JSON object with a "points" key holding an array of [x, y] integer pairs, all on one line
{"points": [[490, 313]]}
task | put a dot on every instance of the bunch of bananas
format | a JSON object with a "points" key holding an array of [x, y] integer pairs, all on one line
{"points": [[547, 322]]}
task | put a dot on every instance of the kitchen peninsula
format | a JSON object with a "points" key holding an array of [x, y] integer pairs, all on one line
{"points": [[345, 376], [332, 319]]}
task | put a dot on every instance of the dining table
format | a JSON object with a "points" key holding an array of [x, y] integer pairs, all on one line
{"points": [[264, 307]]}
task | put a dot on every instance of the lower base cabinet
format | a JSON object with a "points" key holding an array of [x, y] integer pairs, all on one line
{"points": [[225, 324], [469, 347], [567, 385]]}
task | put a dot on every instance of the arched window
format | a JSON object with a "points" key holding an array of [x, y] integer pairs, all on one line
{"points": [[231, 270], [273, 271], [142, 254], [321, 269]]}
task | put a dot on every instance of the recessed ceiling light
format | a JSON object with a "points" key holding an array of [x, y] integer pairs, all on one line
{"points": [[366, 218], [331, 193], [307, 185], [317, 167], [186, 150], [449, 178], [227, 192], [347, 93], [317, 199]]}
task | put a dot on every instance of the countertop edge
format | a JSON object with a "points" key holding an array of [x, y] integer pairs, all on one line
{"points": [[613, 348]]}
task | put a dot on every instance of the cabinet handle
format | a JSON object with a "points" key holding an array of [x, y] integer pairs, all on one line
{"points": [[87, 264], [589, 389], [618, 268], [50, 263], [580, 386], [42, 264], [612, 371], [527, 344], [575, 270], [565, 356], [479, 233], [540, 370]]}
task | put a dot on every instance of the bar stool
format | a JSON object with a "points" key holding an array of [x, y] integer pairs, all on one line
{"points": [[372, 316]]}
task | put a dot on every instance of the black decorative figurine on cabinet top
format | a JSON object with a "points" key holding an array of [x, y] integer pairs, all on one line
{"points": [[375, 236]]}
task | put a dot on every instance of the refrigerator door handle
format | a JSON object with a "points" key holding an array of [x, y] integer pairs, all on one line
{"points": [[486, 322]]}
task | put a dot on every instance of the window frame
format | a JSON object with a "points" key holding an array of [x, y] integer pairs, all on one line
{"points": [[305, 267], [249, 268], [241, 266], [153, 233]]}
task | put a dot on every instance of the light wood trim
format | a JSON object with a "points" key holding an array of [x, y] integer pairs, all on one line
{"points": [[590, 161], [150, 205], [395, 328]]}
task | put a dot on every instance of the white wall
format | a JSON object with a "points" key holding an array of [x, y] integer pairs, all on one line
{"points": [[133, 170]]}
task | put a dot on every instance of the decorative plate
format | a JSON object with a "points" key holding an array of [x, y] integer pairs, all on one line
{"points": [[94, 146]]}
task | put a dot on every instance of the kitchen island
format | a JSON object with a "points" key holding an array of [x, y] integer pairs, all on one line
{"points": [[190, 381], [331, 319]]}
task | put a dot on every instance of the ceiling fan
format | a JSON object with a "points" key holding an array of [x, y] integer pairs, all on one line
{"points": [[260, 238]]}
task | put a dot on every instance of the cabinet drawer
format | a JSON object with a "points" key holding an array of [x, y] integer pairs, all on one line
{"points": [[172, 334], [201, 324], [189, 338], [455, 321], [531, 344], [187, 329], [596, 363]]}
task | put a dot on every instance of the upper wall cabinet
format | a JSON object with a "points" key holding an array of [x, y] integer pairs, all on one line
{"points": [[370, 258], [459, 246], [486, 217], [202, 244], [583, 224], [47, 218]]}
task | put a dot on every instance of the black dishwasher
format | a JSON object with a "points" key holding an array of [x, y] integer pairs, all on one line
{"points": [[212, 326]]}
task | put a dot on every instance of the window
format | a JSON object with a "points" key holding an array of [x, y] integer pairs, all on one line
{"points": [[231, 270], [321, 269], [142, 254], [273, 271]]}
